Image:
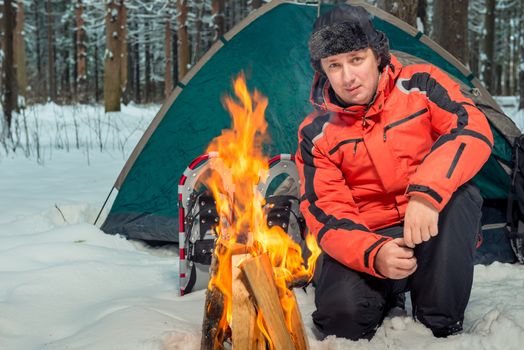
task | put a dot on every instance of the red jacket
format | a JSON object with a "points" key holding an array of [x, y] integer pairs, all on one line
{"points": [[359, 165]]}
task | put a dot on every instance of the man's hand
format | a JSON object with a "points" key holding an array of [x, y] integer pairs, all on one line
{"points": [[420, 221], [395, 260]]}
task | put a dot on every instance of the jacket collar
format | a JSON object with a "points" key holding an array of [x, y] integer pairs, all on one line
{"points": [[320, 94]]}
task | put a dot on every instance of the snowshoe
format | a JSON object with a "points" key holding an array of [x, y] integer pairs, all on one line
{"points": [[197, 220], [281, 189], [198, 214]]}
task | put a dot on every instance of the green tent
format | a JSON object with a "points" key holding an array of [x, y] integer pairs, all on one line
{"points": [[270, 46]]}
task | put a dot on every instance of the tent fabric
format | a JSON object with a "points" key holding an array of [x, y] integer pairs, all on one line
{"points": [[270, 46]]}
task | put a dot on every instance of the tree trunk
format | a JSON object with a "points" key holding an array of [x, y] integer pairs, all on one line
{"points": [[168, 75], [174, 45], [497, 79], [218, 18], [183, 40], [136, 51], [51, 70], [130, 90], [147, 53], [489, 43], [228, 14], [20, 56], [9, 74], [422, 13], [40, 83], [476, 36], [474, 54], [122, 21], [75, 65], [513, 48], [521, 75], [81, 54], [97, 65], [115, 41], [515, 52], [197, 51], [450, 27], [406, 10], [255, 4], [65, 86], [521, 65]]}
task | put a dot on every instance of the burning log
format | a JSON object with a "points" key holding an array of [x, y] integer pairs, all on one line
{"points": [[259, 273], [213, 312], [245, 333], [214, 328], [297, 327], [253, 291]]}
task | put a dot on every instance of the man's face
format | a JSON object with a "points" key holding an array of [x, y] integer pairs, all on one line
{"points": [[353, 75]]}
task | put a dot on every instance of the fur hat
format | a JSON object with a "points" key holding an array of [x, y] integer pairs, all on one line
{"points": [[346, 28]]}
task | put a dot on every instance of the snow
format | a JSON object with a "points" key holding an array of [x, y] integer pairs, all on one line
{"points": [[510, 106], [64, 284]]}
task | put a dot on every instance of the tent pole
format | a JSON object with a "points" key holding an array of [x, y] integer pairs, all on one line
{"points": [[103, 206], [318, 7]]}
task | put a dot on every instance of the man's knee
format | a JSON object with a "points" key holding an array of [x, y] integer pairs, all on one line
{"points": [[349, 317], [347, 306], [441, 286]]}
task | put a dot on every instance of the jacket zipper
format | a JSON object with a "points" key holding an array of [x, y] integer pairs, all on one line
{"points": [[403, 120], [342, 143]]}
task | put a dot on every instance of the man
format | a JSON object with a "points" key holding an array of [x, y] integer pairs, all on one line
{"points": [[385, 161]]}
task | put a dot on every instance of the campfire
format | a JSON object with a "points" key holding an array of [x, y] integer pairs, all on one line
{"points": [[250, 301]]}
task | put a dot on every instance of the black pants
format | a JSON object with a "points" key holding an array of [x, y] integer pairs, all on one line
{"points": [[352, 304]]}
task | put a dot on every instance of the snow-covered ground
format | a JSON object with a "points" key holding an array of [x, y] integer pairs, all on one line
{"points": [[64, 284]]}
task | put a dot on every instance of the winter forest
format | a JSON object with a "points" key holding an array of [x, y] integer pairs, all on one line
{"points": [[83, 83], [117, 51]]}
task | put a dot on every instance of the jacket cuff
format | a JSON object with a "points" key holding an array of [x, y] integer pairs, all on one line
{"points": [[428, 194], [354, 249], [373, 253]]}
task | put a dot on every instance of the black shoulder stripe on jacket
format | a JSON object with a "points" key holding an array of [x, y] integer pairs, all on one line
{"points": [[437, 94]]}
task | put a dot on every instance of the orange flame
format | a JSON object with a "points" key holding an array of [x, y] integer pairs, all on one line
{"points": [[242, 217]]}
